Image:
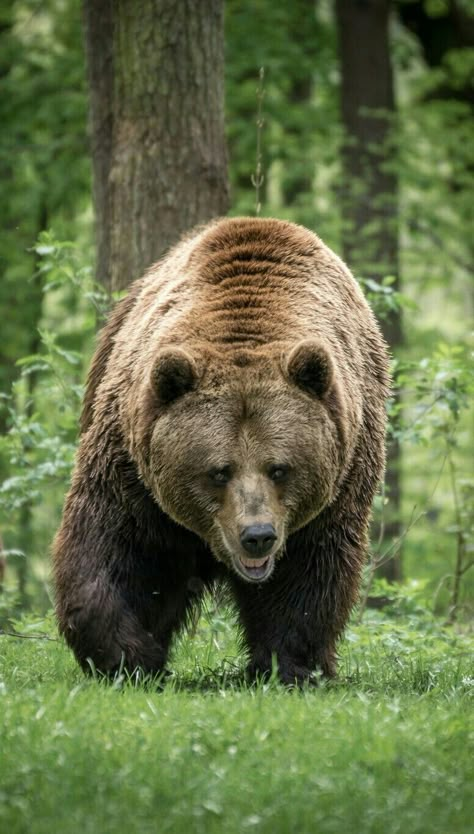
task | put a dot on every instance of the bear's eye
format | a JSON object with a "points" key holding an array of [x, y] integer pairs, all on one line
{"points": [[220, 477], [278, 472]]}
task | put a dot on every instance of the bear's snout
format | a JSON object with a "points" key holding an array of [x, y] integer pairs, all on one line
{"points": [[258, 539]]}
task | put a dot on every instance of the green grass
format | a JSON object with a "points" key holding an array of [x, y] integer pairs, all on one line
{"points": [[387, 748]]}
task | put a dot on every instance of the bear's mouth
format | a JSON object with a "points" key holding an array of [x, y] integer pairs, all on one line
{"points": [[255, 569]]}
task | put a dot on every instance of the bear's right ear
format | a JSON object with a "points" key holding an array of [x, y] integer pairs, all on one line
{"points": [[174, 374], [310, 367]]}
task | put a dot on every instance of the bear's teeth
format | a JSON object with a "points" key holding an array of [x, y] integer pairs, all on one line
{"points": [[254, 563]]}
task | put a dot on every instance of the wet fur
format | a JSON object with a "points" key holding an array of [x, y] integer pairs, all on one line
{"points": [[240, 294]]}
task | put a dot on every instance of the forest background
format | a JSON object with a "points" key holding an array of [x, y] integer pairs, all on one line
{"points": [[388, 184]]}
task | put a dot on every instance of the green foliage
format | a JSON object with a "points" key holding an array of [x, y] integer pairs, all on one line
{"points": [[435, 412], [38, 448], [436, 391], [384, 298], [44, 163], [435, 164]]}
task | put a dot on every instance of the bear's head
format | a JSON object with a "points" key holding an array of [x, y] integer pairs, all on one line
{"points": [[243, 452]]}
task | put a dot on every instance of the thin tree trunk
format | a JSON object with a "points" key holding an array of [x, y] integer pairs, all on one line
{"points": [[370, 196], [298, 178], [242, 185], [3, 565], [156, 74]]}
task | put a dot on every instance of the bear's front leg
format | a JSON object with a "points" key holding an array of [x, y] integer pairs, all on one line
{"points": [[113, 606], [295, 618], [100, 614], [99, 621]]}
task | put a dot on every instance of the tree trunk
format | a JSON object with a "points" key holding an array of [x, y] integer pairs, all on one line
{"points": [[369, 197], [156, 75]]}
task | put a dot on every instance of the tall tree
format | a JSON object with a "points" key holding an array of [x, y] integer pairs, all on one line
{"points": [[370, 239], [156, 74]]}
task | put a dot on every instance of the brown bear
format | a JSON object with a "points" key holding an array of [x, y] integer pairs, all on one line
{"points": [[233, 429]]}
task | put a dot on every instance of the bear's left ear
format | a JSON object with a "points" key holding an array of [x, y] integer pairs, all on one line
{"points": [[311, 368], [174, 374]]}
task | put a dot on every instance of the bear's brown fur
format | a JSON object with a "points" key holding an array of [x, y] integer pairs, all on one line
{"points": [[233, 428]]}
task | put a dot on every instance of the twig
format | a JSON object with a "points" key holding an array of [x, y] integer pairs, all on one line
{"points": [[258, 177], [439, 586], [373, 560], [458, 570], [440, 243], [39, 636]]}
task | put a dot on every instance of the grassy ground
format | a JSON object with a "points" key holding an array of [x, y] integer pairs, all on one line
{"points": [[388, 748]]}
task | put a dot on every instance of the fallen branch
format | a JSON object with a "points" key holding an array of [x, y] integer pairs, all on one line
{"points": [[38, 636]]}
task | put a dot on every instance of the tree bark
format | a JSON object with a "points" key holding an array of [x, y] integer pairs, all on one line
{"points": [[156, 76], [369, 197]]}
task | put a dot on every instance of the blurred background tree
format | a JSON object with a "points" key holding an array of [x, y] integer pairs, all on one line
{"points": [[369, 191], [366, 138]]}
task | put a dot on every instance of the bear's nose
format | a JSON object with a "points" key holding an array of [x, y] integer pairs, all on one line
{"points": [[258, 539]]}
